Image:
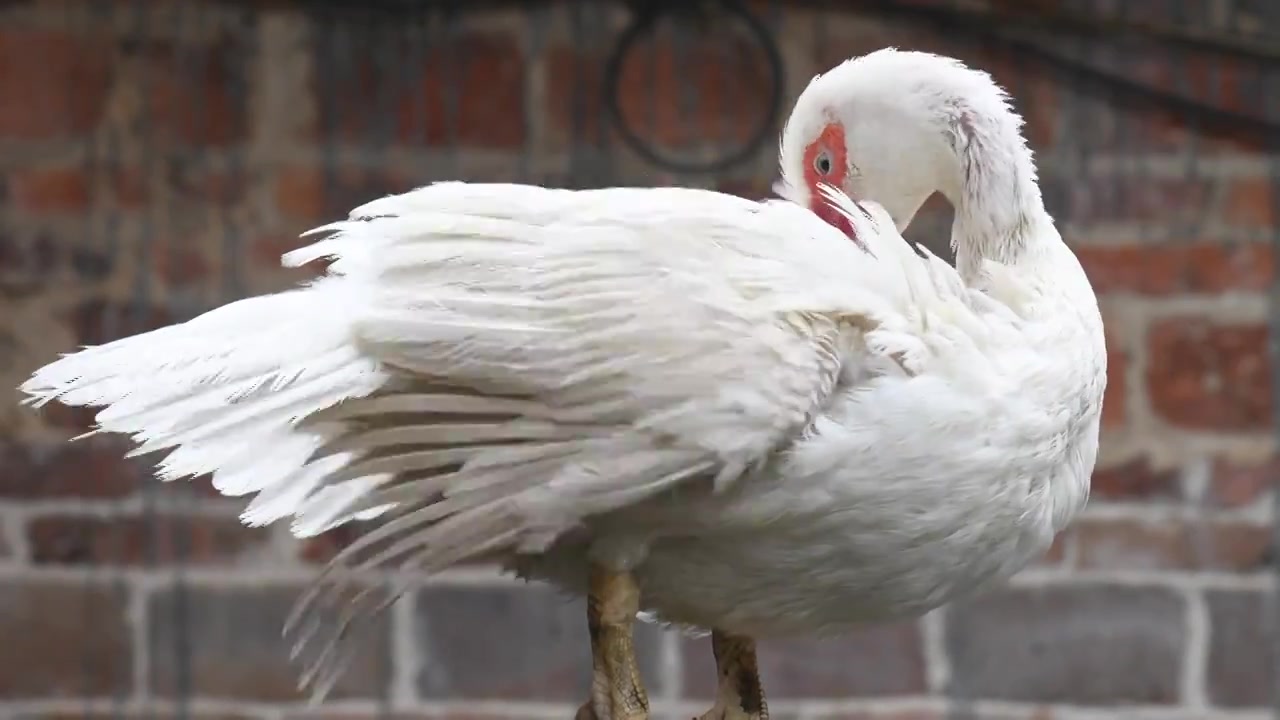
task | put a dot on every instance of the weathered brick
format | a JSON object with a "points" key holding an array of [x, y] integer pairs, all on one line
{"points": [[186, 180], [432, 99], [881, 714], [1238, 484], [1172, 545], [162, 539], [1177, 269], [91, 468], [440, 714], [38, 191], [127, 187], [1084, 644], [1159, 129], [196, 95], [1218, 79], [265, 251], [133, 714], [510, 642], [317, 195], [6, 550], [30, 259], [1244, 669], [877, 660], [226, 643], [672, 95], [1056, 555], [97, 321], [757, 188], [181, 264], [1134, 198], [1115, 401], [1136, 479], [64, 640], [323, 548], [1251, 203], [52, 84], [1209, 377]]}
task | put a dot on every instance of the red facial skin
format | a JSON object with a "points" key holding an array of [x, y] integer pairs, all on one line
{"points": [[831, 141]]}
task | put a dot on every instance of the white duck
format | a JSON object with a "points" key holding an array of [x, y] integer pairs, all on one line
{"points": [[718, 411]]}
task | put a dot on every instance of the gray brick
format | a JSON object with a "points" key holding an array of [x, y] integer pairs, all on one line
{"points": [[1088, 645], [511, 643], [226, 643], [1243, 667], [873, 661]]}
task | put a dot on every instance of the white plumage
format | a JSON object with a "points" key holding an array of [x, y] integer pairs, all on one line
{"points": [[775, 429]]}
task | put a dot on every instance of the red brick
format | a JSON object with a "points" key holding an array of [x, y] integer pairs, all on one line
{"points": [[96, 321], [1219, 80], [265, 252], [323, 548], [51, 84], [193, 183], [40, 191], [1084, 644], [1251, 203], [91, 469], [1171, 545], [757, 188], [1135, 480], [1056, 555], [1243, 662], [129, 187], [316, 195], [469, 92], [180, 264], [64, 641], [1164, 130], [157, 540], [1132, 197], [1237, 485], [1176, 269], [76, 420], [1216, 79], [1209, 377], [6, 550], [28, 260], [1115, 401], [192, 92], [726, 84], [575, 102], [880, 660]]}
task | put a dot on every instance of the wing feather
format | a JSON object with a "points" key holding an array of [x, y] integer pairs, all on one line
{"points": [[486, 367]]}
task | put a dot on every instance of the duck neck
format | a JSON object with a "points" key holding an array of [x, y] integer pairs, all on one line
{"points": [[999, 212]]}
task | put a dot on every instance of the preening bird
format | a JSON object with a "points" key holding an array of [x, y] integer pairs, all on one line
{"points": [[753, 418]]}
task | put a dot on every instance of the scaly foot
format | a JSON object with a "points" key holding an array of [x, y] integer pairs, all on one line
{"points": [[739, 695], [617, 692]]}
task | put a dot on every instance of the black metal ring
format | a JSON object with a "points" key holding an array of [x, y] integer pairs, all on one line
{"points": [[643, 21]]}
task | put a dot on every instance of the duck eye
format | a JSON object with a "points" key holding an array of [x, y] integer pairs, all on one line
{"points": [[822, 163]]}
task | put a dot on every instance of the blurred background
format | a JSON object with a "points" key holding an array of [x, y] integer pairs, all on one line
{"points": [[157, 157]]}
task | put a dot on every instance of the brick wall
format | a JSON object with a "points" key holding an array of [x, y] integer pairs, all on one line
{"points": [[156, 158]]}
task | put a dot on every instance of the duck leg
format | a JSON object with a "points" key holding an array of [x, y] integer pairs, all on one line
{"points": [[617, 692], [739, 695]]}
